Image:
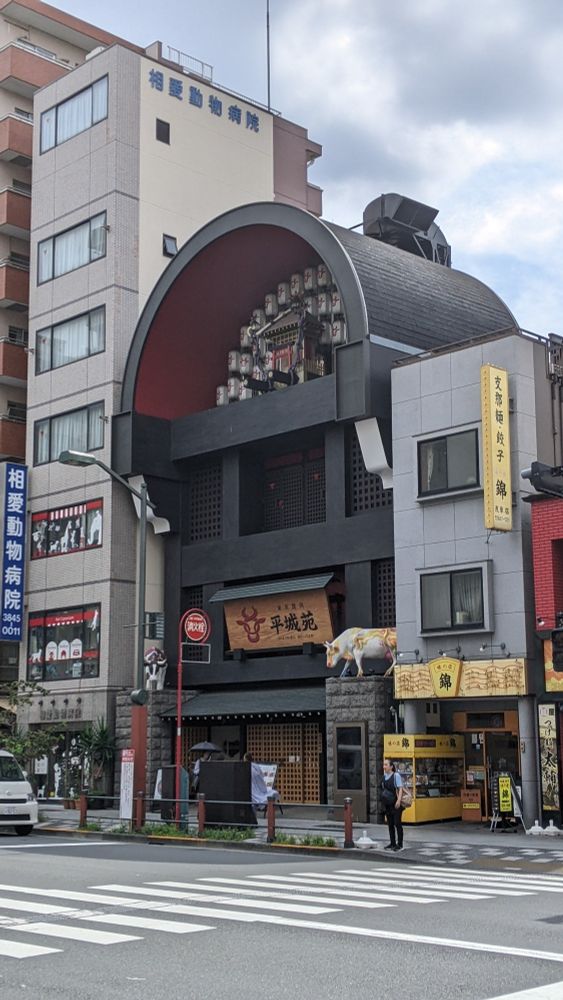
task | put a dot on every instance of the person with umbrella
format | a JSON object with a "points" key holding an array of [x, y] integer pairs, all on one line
{"points": [[206, 750]]}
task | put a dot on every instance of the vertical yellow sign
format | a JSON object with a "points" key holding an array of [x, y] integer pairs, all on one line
{"points": [[497, 481], [504, 794]]}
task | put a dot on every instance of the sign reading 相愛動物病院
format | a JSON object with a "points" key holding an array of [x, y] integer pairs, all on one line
{"points": [[497, 488], [278, 621]]}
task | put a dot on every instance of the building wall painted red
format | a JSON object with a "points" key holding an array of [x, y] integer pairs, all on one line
{"points": [[547, 543]]}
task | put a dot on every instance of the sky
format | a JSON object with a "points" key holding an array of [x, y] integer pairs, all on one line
{"points": [[457, 104]]}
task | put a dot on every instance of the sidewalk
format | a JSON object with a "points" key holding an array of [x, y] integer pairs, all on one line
{"points": [[451, 843]]}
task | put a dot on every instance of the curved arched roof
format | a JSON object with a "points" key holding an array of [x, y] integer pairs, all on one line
{"points": [[192, 318]]}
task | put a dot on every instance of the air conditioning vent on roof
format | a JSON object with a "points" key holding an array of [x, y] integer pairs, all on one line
{"points": [[95, 52], [409, 225]]}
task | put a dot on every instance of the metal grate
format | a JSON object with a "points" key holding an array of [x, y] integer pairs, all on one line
{"points": [[365, 490], [294, 494], [296, 748], [205, 519], [384, 594], [193, 598]]}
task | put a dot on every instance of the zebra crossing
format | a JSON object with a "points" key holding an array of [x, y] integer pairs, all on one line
{"points": [[33, 925]]}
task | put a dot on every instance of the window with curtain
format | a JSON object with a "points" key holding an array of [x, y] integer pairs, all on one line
{"points": [[74, 115], [72, 249], [75, 338], [448, 463], [452, 600], [78, 430]]}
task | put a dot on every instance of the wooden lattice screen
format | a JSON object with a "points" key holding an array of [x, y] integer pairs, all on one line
{"points": [[296, 748]]}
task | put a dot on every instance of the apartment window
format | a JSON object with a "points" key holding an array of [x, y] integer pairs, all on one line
{"points": [[17, 335], [63, 530], [78, 430], [75, 115], [452, 600], [75, 338], [169, 246], [448, 463], [22, 186], [162, 131], [64, 645], [72, 249]]}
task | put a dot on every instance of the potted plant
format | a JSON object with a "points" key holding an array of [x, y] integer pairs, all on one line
{"points": [[98, 748]]}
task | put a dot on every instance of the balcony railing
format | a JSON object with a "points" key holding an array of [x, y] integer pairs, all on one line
{"points": [[15, 213], [12, 437], [14, 283], [16, 139], [23, 70], [13, 364]]}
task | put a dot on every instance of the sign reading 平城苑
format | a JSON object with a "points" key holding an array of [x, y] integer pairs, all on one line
{"points": [[278, 621], [497, 486]]}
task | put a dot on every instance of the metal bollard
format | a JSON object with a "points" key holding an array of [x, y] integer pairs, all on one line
{"points": [[200, 814], [139, 820], [348, 825], [271, 816], [83, 806]]}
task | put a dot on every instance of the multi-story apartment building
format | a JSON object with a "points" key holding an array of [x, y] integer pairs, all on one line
{"points": [[132, 154], [38, 45]]}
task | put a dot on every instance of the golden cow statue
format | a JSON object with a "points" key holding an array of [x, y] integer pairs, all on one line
{"points": [[359, 644]]}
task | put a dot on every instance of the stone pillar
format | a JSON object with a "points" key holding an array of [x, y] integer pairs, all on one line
{"points": [[360, 699], [159, 734], [414, 719], [529, 759]]}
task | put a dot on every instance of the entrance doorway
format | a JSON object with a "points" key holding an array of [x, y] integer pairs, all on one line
{"points": [[491, 746]]}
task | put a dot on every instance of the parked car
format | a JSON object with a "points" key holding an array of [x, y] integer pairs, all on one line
{"points": [[18, 805]]}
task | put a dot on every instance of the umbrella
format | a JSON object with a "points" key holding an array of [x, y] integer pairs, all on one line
{"points": [[205, 746]]}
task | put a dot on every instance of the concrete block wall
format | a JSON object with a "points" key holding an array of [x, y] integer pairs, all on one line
{"points": [[360, 699]]}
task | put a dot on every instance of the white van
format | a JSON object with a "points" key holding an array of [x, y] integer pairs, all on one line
{"points": [[18, 805]]}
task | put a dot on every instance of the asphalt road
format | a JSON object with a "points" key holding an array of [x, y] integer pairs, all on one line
{"points": [[93, 919]]}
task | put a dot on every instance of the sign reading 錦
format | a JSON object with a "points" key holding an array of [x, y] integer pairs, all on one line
{"points": [[279, 621], [13, 506], [474, 679], [504, 793], [497, 488]]}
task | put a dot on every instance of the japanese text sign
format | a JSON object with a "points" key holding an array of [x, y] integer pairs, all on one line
{"points": [[504, 793], [497, 486], [14, 492], [184, 90], [278, 620]]}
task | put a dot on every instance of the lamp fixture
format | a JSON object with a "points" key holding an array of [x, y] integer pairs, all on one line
{"points": [[540, 622], [409, 652], [452, 649], [494, 645]]}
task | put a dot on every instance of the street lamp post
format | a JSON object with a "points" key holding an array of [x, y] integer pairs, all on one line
{"points": [[138, 694]]}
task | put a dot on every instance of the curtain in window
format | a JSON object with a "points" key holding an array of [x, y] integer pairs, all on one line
{"points": [[43, 351], [467, 598], [435, 599], [70, 341], [100, 100], [41, 442], [45, 261], [98, 236], [69, 431], [74, 116], [95, 426], [97, 330], [72, 249], [48, 119]]}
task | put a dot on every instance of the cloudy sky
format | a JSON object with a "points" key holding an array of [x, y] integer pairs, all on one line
{"points": [[457, 104]]}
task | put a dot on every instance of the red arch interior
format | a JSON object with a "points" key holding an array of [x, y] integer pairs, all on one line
{"points": [[198, 322]]}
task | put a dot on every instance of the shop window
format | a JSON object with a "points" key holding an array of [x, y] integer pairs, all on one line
{"points": [[162, 131], [206, 503], [448, 463], [74, 339], [78, 430], [67, 529], [64, 645], [74, 115], [365, 490], [72, 249], [452, 600], [384, 614], [294, 490]]}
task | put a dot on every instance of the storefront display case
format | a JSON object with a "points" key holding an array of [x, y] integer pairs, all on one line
{"points": [[433, 769]]}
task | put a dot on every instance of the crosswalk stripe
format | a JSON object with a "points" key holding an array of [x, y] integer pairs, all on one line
{"points": [[475, 879], [199, 897], [72, 933], [358, 903], [554, 991], [384, 889], [388, 882], [422, 882], [44, 909], [15, 949], [71, 894], [148, 923], [512, 878], [352, 894]]}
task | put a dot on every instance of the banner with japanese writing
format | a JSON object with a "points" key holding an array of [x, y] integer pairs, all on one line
{"points": [[549, 761], [13, 493], [497, 485], [279, 621]]}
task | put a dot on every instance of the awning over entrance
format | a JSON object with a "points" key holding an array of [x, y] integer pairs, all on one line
{"points": [[252, 702], [267, 587]]}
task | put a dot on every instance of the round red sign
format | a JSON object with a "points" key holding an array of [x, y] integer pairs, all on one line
{"points": [[197, 625]]}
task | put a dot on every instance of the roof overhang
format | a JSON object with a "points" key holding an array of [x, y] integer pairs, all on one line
{"points": [[253, 702], [294, 585]]}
